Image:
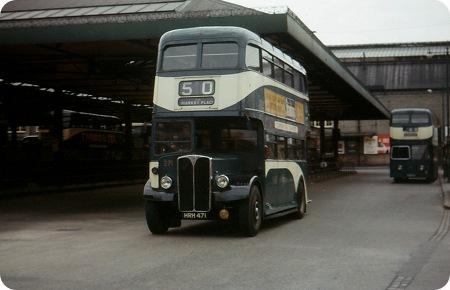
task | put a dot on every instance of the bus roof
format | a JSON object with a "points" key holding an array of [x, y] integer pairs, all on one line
{"points": [[410, 110], [209, 32], [244, 36]]}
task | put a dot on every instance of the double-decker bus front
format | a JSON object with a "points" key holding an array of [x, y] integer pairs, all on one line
{"points": [[208, 153], [414, 140]]}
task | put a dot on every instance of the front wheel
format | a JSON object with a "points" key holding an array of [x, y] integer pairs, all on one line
{"points": [[158, 219], [251, 213]]}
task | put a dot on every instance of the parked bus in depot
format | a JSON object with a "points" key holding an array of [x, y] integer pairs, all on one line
{"points": [[141, 140], [414, 139], [229, 131], [86, 136], [3, 128]]}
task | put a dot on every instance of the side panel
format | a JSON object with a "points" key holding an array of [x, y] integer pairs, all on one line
{"points": [[405, 164], [416, 133], [281, 184], [229, 90]]}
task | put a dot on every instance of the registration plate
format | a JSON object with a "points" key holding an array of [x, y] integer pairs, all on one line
{"points": [[195, 215]]}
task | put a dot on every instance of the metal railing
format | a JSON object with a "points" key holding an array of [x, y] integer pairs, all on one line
{"points": [[327, 170]]}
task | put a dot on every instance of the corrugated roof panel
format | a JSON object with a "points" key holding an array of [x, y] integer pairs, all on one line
{"points": [[134, 8], [30, 14], [98, 10], [12, 15], [171, 6], [93, 10], [399, 50], [6, 14], [80, 12], [64, 12], [392, 51], [152, 7], [48, 13], [117, 9], [16, 6]]}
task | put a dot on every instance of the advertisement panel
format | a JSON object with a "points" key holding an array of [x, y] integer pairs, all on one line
{"points": [[377, 144], [384, 146], [371, 145]]}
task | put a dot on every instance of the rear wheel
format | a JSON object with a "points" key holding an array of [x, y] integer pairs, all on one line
{"points": [[158, 219], [251, 213], [301, 201]]}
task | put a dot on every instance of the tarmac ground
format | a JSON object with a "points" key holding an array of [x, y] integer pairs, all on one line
{"points": [[427, 272]]}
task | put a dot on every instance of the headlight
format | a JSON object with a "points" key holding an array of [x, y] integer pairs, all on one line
{"points": [[166, 182], [222, 181], [400, 167]]}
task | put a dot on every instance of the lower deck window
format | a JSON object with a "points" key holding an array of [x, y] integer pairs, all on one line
{"points": [[284, 148]]}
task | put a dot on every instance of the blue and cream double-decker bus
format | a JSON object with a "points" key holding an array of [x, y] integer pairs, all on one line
{"points": [[414, 144], [230, 119]]}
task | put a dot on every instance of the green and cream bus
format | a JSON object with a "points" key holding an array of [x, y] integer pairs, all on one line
{"points": [[229, 126], [414, 144]]}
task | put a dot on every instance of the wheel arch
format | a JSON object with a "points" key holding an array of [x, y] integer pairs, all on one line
{"points": [[302, 181], [257, 182]]}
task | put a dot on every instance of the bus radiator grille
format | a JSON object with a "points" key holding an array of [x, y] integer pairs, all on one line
{"points": [[194, 183]]}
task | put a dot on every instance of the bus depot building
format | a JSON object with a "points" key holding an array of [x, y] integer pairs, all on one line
{"points": [[402, 75], [92, 64]]}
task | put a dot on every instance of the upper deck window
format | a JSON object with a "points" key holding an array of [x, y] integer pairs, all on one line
{"points": [[289, 75], [411, 119], [400, 119], [278, 69], [420, 118], [180, 57], [252, 58], [220, 55], [267, 61]]}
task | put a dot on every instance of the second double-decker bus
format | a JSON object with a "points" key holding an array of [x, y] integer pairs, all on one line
{"points": [[230, 119], [414, 139], [87, 136]]}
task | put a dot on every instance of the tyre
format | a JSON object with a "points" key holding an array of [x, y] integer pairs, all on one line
{"points": [[158, 219], [301, 202], [251, 213]]}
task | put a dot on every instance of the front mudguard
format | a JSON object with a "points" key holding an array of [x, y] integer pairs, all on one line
{"points": [[153, 195], [237, 192], [234, 193]]}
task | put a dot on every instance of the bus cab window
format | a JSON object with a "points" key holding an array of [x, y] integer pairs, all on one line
{"points": [[420, 152], [203, 139], [237, 139], [400, 152], [173, 137]]}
